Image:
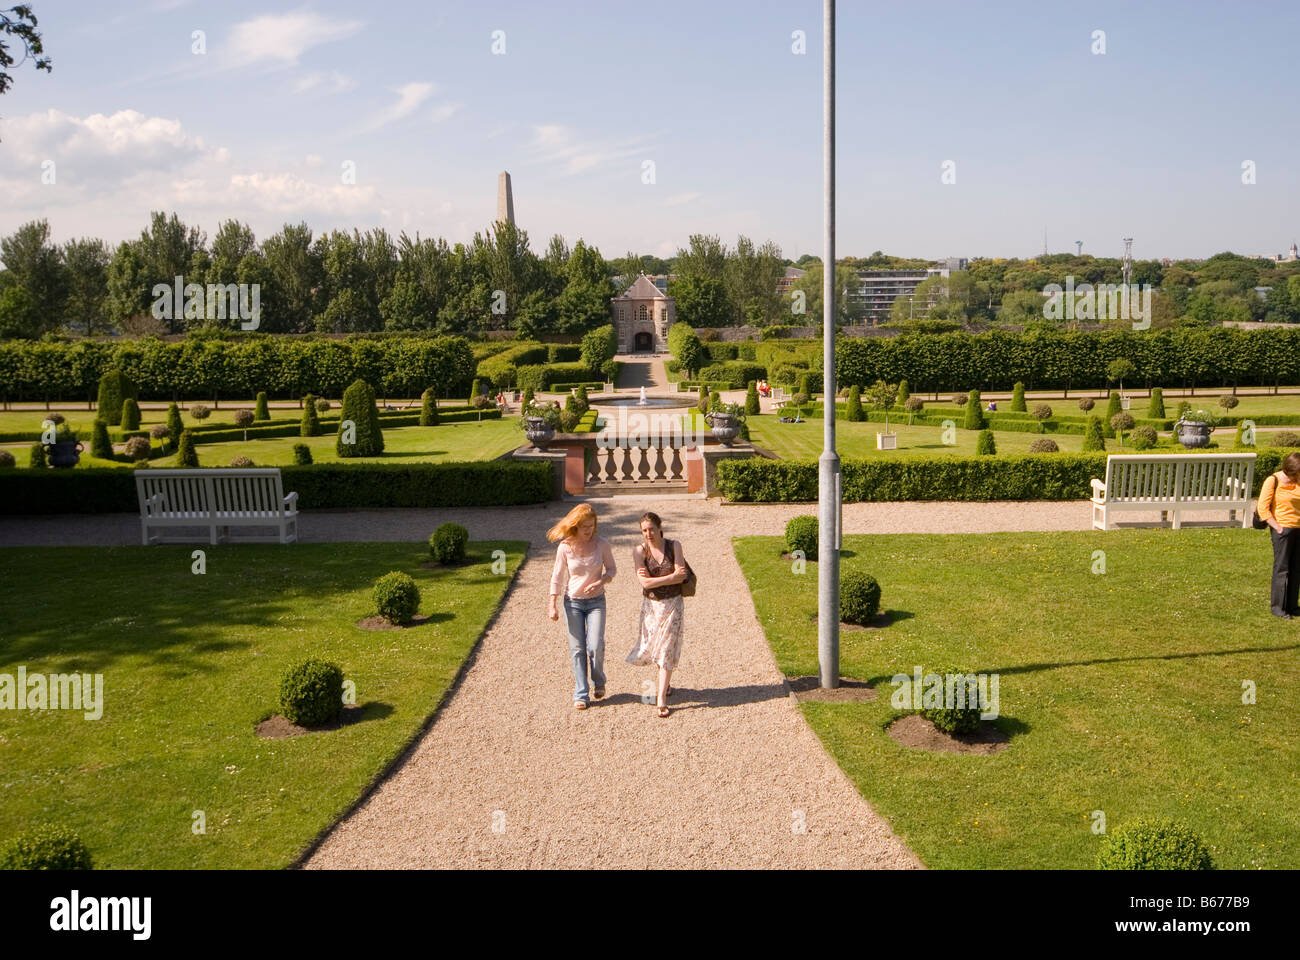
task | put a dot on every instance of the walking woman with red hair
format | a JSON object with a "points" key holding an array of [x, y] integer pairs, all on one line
{"points": [[587, 562]]}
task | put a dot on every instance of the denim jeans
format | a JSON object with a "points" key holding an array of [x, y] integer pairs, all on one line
{"points": [[586, 623]]}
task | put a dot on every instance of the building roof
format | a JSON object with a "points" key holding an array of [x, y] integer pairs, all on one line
{"points": [[794, 273], [642, 289]]}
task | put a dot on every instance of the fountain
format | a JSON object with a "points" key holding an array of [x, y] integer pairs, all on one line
{"points": [[641, 402]]}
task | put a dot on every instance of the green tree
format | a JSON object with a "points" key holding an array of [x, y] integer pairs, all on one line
{"points": [[35, 264], [86, 272], [20, 317], [362, 414], [19, 22]]}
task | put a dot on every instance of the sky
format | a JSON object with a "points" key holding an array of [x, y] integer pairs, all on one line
{"points": [[634, 125]]}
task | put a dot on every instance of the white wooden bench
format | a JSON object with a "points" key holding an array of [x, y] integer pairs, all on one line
{"points": [[1174, 484], [215, 500]]}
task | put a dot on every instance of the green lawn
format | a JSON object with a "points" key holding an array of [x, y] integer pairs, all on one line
{"points": [[1122, 692], [191, 663], [469, 440]]}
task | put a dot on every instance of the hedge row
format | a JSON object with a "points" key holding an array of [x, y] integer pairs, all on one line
{"points": [[502, 368], [735, 373], [321, 486], [331, 425], [1065, 476], [226, 369], [546, 376]]}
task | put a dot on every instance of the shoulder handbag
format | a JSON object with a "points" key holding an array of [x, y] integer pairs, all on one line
{"points": [[688, 585], [1258, 522]]}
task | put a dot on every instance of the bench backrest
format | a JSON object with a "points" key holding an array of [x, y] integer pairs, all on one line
{"points": [[227, 490], [1186, 477]]}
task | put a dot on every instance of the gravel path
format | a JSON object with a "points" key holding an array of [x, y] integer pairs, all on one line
{"points": [[725, 781]]}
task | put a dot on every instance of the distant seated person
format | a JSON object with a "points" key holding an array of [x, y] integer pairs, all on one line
{"points": [[763, 389], [993, 406]]}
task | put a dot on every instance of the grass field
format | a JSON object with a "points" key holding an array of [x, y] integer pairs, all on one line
{"points": [[191, 663], [469, 440], [1121, 692]]}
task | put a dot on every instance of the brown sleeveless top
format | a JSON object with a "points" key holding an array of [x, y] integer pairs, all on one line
{"points": [[662, 569]]}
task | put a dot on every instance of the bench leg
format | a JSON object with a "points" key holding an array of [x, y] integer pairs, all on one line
{"points": [[1177, 518]]}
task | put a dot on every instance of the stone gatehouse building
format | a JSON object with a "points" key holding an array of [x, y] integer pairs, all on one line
{"points": [[642, 315]]}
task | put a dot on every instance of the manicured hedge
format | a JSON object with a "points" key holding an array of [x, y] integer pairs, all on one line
{"points": [[502, 368], [320, 486], [1065, 476], [737, 373], [545, 376]]}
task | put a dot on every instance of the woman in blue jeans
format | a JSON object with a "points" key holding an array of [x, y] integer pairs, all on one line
{"points": [[587, 562]]}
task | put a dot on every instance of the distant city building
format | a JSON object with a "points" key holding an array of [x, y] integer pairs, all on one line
{"points": [[1292, 256], [873, 297], [642, 315], [783, 284]]}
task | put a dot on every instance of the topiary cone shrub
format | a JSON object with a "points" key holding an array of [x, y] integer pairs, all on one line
{"points": [[1094, 438], [1156, 408], [48, 847], [974, 415], [801, 534], [311, 693], [702, 401], [1238, 436], [751, 399], [36, 457], [447, 543], [310, 425], [474, 391], [114, 387], [260, 411], [1018, 398], [859, 597], [130, 414], [301, 454], [100, 445], [187, 457], [853, 409], [904, 391], [1113, 407], [1154, 844], [960, 715], [175, 426], [359, 409], [984, 444], [397, 598], [429, 408]]}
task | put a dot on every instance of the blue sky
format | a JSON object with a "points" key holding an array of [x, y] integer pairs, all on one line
{"points": [[1146, 140]]}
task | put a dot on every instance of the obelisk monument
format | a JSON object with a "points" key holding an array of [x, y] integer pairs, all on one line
{"points": [[505, 199]]}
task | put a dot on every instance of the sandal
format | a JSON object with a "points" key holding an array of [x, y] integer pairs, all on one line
{"points": [[579, 704], [663, 712]]}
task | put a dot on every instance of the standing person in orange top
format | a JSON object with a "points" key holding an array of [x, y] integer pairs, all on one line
{"points": [[1279, 507], [587, 561]]}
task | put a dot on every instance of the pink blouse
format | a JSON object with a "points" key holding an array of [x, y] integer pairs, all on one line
{"points": [[584, 570]]}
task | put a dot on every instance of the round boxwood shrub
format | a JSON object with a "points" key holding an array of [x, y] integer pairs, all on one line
{"points": [[1086, 403], [1285, 438], [48, 847], [397, 598], [984, 443], [200, 411], [260, 411], [130, 414], [801, 534], [1043, 445], [955, 718], [1228, 401], [859, 597], [6, 460], [244, 418], [1154, 844], [242, 462], [1144, 437], [1042, 411], [301, 454], [311, 693], [447, 543], [137, 448], [323, 405]]}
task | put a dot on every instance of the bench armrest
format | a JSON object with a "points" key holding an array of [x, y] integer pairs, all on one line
{"points": [[291, 501], [1098, 489]]}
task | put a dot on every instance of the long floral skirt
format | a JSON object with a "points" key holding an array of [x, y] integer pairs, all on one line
{"points": [[660, 640]]}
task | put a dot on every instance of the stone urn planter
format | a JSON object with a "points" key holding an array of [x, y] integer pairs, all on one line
{"points": [[1192, 433], [538, 431], [724, 426], [65, 453]]}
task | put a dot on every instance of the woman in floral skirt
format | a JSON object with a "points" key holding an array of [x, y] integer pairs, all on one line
{"points": [[661, 568]]}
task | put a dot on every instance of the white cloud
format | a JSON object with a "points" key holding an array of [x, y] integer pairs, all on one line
{"points": [[678, 199], [556, 144], [314, 160], [409, 97], [444, 112], [286, 193], [331, 82], [285, 37]]}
